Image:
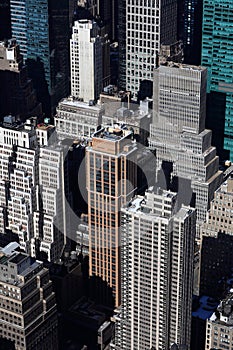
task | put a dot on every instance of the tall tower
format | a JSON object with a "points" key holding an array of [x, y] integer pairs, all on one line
{"points": [[156, 257], [148, 25], [36, 27], [217, 46], [86, 60], [111, 182], [5, 19], [190, 29], [17, 95], [179, 137]]}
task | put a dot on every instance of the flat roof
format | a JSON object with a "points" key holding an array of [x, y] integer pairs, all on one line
{"points": [[80, 104]]}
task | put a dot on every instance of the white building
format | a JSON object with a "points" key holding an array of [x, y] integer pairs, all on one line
{"points": [[86, 61], [32, 187], [157, 243], [50, 218], [219, 327], [76, 119], [178, 133], [149, 24]]}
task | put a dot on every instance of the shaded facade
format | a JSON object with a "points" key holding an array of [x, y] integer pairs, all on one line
{"points": [[46, 50], [17, 95]]}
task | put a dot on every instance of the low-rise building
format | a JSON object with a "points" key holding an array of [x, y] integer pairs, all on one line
{"points": [[219, 327]]}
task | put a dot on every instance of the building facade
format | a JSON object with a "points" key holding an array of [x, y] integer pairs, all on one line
{"points": [[219, 330], [156, 260], [17, 95], [179, 137], [50, 219], [28, 314], [111, 182], [217, 242], [216, 56], [46, 51], [148, 25], [76, 119], [86, 60], [33, 182]]}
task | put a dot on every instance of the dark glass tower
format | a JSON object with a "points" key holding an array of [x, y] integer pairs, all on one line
{"points": [[42, 30], [190, 29], [5, 20]]}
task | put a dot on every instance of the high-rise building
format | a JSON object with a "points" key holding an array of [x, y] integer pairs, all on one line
{"points": [[5, 19], [111, 182], [17, 95], [190, 29], [28, 314], [217, 47], [86, 61], [179, 137], [50, 220], [105, 11], [157, 242], [219, 330], [46, 50], [148, 25]]}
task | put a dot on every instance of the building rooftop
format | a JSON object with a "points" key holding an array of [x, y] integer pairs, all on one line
{"points": [[113, 133], [18, 266], [172, 64], [43, 126], [76, 104]]}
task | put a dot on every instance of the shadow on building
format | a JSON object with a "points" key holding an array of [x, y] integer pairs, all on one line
{"points": [[215, 121], [216, 264]]}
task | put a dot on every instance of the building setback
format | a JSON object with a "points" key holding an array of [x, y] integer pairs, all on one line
{"points": [[179, 137], [28, 314], [157, 243]]}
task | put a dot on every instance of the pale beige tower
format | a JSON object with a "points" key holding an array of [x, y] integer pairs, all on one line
{"points": [[111, 182]]}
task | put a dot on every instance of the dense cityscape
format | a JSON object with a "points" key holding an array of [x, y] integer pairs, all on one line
{"points": [[116, 174]]}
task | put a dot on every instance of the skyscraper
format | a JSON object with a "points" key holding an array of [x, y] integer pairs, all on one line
{"points": [[44, 46], [179, 137], [190, 29], [28, 314], [86, 60], [148, 25], [111, 182], [5, 20], [217, 49], [17, 95], [157, 242]]}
